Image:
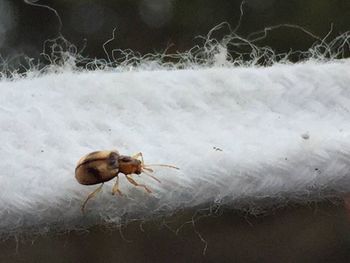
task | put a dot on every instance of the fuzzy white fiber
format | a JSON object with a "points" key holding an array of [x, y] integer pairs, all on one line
{"points": [[283, 133]]}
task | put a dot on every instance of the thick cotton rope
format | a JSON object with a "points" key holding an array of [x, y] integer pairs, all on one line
{"points": [[237, 134]]}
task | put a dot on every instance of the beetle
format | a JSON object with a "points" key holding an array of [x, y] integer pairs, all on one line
{"points": [[102, 166]]}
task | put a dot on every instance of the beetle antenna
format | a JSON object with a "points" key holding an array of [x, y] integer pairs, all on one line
{"points": [[163, 165], [146, 173], [147, 169]]}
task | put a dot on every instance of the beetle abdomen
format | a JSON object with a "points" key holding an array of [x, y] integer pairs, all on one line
{"points": [[97, 167]]}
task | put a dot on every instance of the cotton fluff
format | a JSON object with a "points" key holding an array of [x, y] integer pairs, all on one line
{"points": [[240, 135]]}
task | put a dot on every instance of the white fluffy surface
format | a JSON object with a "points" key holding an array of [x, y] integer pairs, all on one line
{"points": [[284, 132]]}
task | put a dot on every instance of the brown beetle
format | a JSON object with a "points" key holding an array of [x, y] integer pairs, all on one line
{"points": [[102, 166]]}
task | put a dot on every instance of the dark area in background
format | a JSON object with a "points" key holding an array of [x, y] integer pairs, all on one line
{"points": [[153, 25], [315, 233]]}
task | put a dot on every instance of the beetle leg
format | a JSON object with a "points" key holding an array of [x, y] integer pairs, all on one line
{"points": [[115, 188], [150, 175], [132, 181], [91, 195]]}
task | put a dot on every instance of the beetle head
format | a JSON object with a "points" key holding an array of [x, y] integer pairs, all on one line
{"points": [[129, 165]]}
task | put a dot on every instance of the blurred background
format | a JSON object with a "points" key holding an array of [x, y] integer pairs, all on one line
{"points": [[158, 25]]}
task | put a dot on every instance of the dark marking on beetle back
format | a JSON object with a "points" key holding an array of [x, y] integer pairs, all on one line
{"points": [[96, 173], [113, 159], [90, 161]]}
